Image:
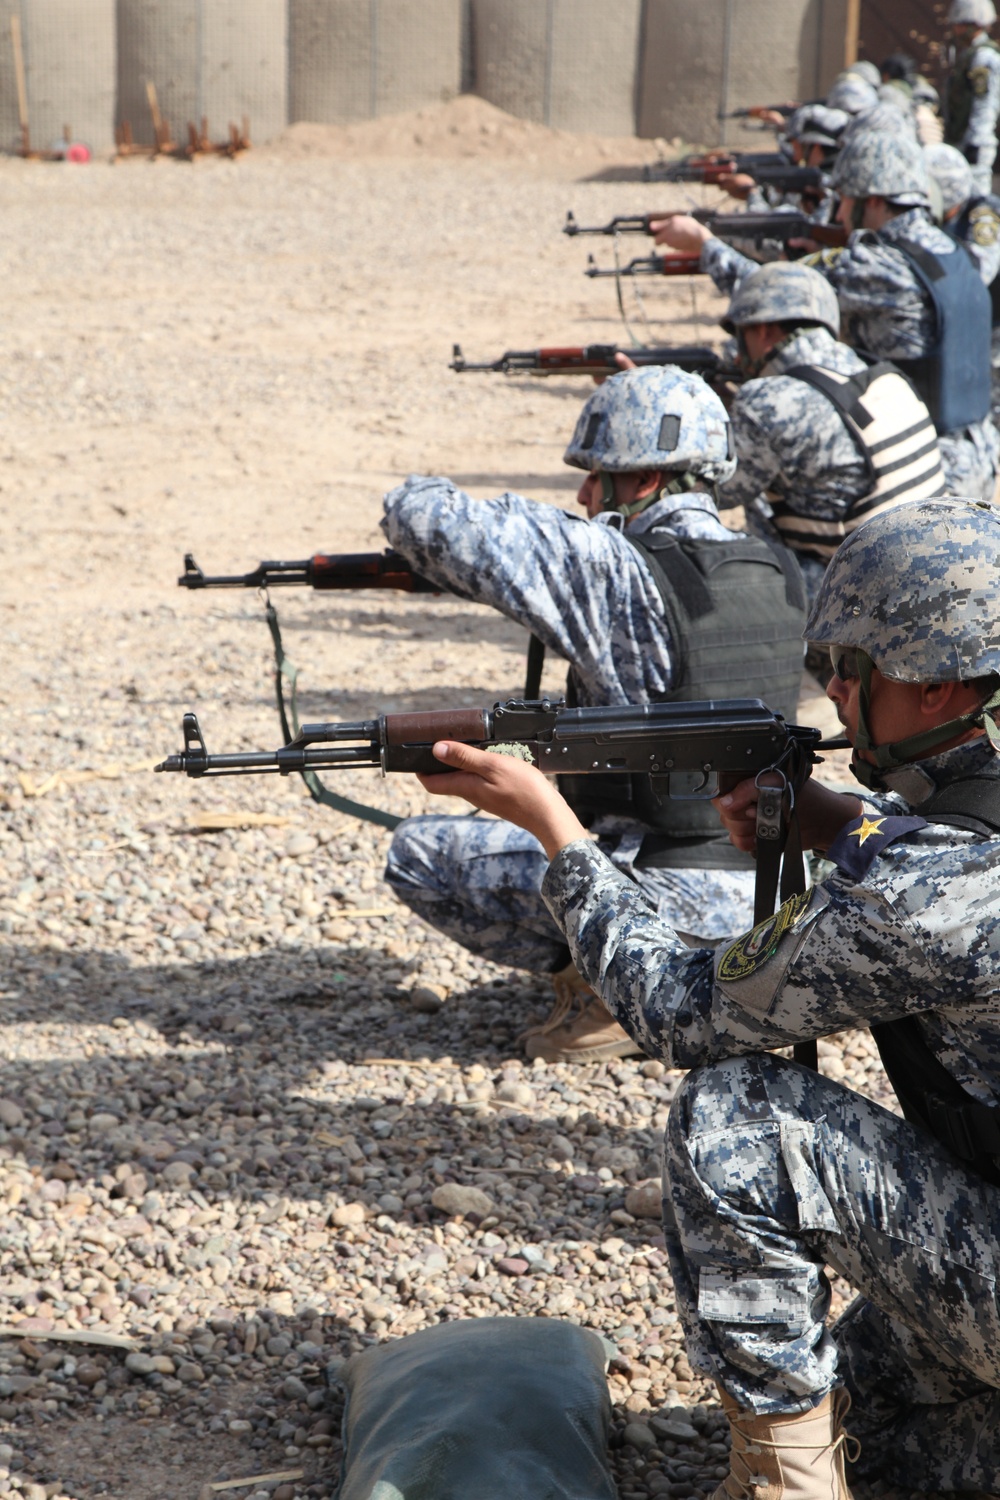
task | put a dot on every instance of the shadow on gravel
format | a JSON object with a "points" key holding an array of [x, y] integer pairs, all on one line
{"points": [[255, 1093], [265, 1387]]}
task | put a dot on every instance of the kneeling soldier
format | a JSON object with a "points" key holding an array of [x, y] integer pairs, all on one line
{"points": [[652, 599], [773, 1172]]}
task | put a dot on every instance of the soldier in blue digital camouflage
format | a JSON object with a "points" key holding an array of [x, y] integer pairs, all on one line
{"points": [[972, 94], [651, 599], [973, 219], [905, 294], [773, 1172], [823, 440]]}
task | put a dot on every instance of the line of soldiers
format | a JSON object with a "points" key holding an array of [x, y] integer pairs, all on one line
{"points": [[862, 451]]}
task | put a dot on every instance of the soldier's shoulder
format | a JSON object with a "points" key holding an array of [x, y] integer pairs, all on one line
{"points": [[860, 843]]}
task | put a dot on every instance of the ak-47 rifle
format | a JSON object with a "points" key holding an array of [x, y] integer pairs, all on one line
{"points": [[741, 226], [690, 750], [755, 111], [333, 570], [325, 570], [650, 265], [599, 359], [776, 173]]}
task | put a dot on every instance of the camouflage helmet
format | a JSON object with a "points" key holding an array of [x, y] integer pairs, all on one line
{"points": [[851, 94], [865, 70], [875, 165], [657, 417], [783, 291], [952, 173], [883, 118], [971, 13], [818, 124], [918, 589]]}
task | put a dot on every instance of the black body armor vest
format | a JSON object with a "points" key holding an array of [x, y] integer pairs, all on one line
{"points": [[954, 379], [735, 611], [928, 1094]]}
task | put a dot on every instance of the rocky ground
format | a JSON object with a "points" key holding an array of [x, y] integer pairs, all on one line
{"points": [[254, 1117]]}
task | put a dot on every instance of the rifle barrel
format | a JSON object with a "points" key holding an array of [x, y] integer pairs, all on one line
{"points": [[650, 265]]}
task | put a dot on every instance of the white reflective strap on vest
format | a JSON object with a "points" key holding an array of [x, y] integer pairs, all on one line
{"points": [[900, 444]]}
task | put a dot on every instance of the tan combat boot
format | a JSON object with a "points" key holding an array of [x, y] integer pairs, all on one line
{"points": [[579, 1028], [798, 1456]]}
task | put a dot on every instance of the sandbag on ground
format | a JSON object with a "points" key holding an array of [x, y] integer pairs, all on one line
{"points": [[490, 1408]]}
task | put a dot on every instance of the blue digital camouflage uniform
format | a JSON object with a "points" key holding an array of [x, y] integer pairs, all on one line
{"points": [[792, 444], [772, 1172], [886, 312], [589, 596], [972, 105]]}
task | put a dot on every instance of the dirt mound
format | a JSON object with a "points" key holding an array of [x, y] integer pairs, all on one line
{"points": [[464, 127]]}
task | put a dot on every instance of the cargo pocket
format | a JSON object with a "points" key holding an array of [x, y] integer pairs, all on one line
{"points": [[785, 1297], [802, 1144]]}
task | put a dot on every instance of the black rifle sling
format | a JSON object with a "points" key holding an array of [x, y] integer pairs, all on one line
{"points": [[290, 726], [928, 1094], [533, 669], [780, 868]]}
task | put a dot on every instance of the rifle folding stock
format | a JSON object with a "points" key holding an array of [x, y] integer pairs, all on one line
{"points": [[598, 359], [692, 750], [325, 570]]}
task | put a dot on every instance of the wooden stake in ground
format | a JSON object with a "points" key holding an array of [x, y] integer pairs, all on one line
{"points": [[161, 132], [22, 88]]}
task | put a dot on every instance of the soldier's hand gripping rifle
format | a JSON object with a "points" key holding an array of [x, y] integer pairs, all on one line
{"points": [[600, 359], [324, 570], [757, 227]]}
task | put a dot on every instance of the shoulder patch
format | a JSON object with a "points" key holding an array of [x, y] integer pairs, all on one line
{"points": [[979, 78], [984, 224], [823, 258], [857, 846], [754, 948]]}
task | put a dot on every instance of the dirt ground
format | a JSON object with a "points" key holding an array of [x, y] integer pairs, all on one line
{"points": [[237, 359]]}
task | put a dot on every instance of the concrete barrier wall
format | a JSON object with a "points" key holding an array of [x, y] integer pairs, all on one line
{"points": [[356, 59], [221, 59], [69, 60], [661, 67], [244, 68], [727, 53], [570, 64]]}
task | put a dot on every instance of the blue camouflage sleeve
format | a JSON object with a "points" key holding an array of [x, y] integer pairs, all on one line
{"points": [[757, 463], [844, 953], [567, 580], [726, 266]]}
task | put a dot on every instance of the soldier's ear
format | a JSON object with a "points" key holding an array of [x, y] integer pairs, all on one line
{"points": [[648, 482]]}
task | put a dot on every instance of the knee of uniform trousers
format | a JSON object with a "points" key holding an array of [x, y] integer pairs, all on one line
{"points": [[754, 1112], [450, 854]]}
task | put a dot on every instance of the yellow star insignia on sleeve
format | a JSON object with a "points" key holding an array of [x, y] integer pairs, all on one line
{"points": [[866, 828]]}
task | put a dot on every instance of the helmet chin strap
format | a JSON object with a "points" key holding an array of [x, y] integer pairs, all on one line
{"points": [[902, 752], [678, 484]]}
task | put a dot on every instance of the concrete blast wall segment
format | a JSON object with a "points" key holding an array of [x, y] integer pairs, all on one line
{"points": [[221, 59], [566, 63], [356, 59], [69, 62], [721, 54]]}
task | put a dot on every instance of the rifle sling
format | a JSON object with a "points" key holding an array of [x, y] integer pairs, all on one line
{"points": [[290, 726]]}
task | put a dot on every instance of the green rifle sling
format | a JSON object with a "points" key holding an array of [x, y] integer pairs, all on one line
{"points": [[290, 727]]}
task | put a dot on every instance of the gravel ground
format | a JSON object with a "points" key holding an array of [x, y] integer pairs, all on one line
{"points": [[253, 1115]]}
